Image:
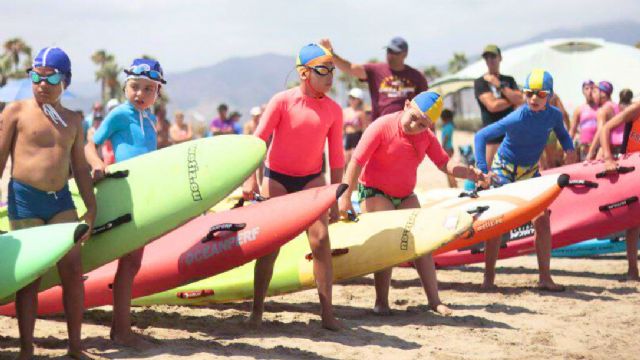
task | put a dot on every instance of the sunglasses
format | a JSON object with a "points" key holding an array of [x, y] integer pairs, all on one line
{"points": [[144, 71], [53, 79], [490, 56], [322, 70], [542, 94]]}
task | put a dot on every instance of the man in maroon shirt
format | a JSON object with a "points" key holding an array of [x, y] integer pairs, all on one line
{"points": [[390, 83]]}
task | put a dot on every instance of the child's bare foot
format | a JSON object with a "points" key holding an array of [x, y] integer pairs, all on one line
{"points": [[331, 323], [441, 309], [488, 286], [382, 309], [81, 355], [25, 354], [630, 277], [550, 286], [132, 340], [254, 321]]}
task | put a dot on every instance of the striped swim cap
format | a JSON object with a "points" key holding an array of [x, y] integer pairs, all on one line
{"points": [[55, 58], [313, 54], [429, 103], [539, 79]]}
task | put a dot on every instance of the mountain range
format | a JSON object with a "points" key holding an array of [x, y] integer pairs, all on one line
{"points": [[243, 82]]}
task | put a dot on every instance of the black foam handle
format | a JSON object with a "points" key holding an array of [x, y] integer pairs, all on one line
{"points": [[112, 224], [478, 210], [619, 170], [120, 174], [472, 194], [619, 204], [222, 227]]}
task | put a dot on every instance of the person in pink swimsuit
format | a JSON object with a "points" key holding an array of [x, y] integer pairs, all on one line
{"points": [[607, 110], [354, 121], [299, 121], [584, 120], [384, 169]]}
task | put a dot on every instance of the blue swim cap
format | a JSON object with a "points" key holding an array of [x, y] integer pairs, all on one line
{"points": [[539, 79], [430, 103], [313, 54], [145, 68], [55, 58]]}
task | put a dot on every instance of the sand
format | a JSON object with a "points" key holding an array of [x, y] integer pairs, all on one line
{"points": [[594, 319]]}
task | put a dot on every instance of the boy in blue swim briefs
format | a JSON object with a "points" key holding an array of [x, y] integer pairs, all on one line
{"points": [[44, 139], [131, 129], [526, 132]]}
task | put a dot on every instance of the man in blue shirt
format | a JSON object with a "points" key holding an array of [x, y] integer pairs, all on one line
{"points": [[526, 131]]}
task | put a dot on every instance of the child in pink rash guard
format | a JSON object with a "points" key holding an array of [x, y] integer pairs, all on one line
{"points": [[384, 166]]}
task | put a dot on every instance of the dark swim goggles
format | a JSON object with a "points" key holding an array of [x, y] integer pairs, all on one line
{"points": [[322, 70], [143, 70], [53, 79]]}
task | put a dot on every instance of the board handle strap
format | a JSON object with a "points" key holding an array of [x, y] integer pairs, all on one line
{"points": [[619, 171], [619, 204], [112, 224], [233, 227]]}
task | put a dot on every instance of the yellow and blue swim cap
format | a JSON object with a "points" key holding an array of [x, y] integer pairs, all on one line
{"points": [[539, 79], [313, 54], [429, 103]]}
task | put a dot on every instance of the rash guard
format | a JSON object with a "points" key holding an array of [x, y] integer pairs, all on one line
{"points": [[390, 158], [131, 132], [299, 126], [526, 136]]}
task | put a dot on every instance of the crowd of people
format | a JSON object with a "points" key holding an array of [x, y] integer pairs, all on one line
{"points": [[377, 153]]}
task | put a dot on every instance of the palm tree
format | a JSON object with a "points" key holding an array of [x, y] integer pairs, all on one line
{"points": [[5, 69], [431, 73], [15, 48], [638, 45], [107, 74], [458, 62]]}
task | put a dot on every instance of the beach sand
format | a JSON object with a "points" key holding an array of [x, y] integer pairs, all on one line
{"points": [[594, 319]]}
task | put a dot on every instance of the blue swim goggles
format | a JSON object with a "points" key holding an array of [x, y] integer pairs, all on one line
{"points": [[53, 79], [144, 70]]}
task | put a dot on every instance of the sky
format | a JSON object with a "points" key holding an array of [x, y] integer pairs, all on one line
{"points": [[187, 34]]}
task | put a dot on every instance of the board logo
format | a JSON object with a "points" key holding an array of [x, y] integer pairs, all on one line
{"points": [[404, 240], [202, 252], [521, 232], [192, 166], [488, 224]]}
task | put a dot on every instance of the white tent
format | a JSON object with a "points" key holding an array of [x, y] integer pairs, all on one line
{"points": [[570, 62]]}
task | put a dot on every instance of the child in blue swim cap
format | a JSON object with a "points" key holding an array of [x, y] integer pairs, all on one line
{"points": [[131, 120], [44, 140]]}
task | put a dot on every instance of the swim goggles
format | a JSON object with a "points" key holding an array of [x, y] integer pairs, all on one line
{"points": [[542, 94], [53, 79], [144, 70], [322, 70]]}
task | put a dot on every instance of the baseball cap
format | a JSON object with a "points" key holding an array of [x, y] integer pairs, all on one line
{"points": [[491, 49], [398, 44], [356, 93], [255, 111]]}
